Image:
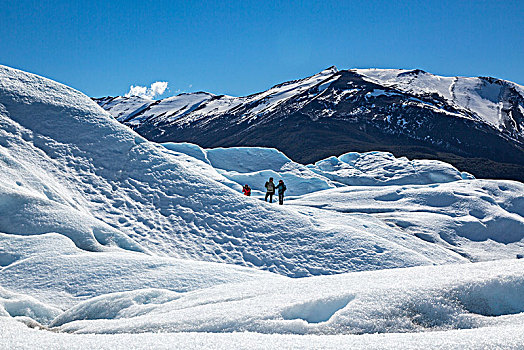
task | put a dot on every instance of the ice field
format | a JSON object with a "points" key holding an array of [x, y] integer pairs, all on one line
{"points": [[108, 240]]}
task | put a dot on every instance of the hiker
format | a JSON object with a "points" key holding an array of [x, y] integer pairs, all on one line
{"points": [[246, 190], [270, 190], [281, 187]]}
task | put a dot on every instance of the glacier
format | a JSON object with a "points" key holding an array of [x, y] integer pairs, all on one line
{"points": [[108, 240]]}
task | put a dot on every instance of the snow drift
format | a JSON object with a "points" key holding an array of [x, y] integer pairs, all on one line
{"points": [[402, 300]]}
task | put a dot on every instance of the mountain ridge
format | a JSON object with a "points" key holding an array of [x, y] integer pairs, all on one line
{"points": [[476, 124]]}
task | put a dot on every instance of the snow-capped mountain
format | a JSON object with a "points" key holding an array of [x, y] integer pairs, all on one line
{"points": [[477, 124]]}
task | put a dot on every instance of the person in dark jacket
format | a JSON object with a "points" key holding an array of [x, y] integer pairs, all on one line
{"points": [[281, 187], [270, 190], [246, 190]]}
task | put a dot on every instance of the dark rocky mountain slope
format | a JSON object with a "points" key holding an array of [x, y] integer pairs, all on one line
{"points": [[476, 124]]}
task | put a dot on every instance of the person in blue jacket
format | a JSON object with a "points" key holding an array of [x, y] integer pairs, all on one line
{"points": [[281, 188]]}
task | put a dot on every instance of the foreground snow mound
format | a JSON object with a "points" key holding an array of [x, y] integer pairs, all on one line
{"points": [[72, 169], [254, 165], [401, 300], [50, 268]]}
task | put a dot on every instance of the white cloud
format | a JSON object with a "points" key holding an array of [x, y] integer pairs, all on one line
{"points": [[156, 89], [137, 91]]}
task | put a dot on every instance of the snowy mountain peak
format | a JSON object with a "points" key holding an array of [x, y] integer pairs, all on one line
{"points": [[305, 82], [332, 69], [414, 72], [496, 102], [410, 113]]}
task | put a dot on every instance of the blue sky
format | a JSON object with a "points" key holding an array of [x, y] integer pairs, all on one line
{"points": [[242, 47]]}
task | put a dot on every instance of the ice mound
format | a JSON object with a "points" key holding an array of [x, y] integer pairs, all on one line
{"points": [[479, 219], [82, 174], [18, 305], [382, 168], [403, 300], [254, 165], [51, 268]]}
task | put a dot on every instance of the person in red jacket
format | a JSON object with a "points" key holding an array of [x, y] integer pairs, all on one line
{"points": [[246, 190]]}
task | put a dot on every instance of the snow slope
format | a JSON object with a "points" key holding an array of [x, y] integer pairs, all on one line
{"points": [[485, 97], [479, 219], [97, 182], [53, 269], [104, 232]]}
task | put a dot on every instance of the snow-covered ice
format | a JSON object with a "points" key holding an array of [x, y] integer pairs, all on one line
{"points": [[401, 300], [53, 269], [479, 219], [100, 184], [254, 165], [102, 231]]}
